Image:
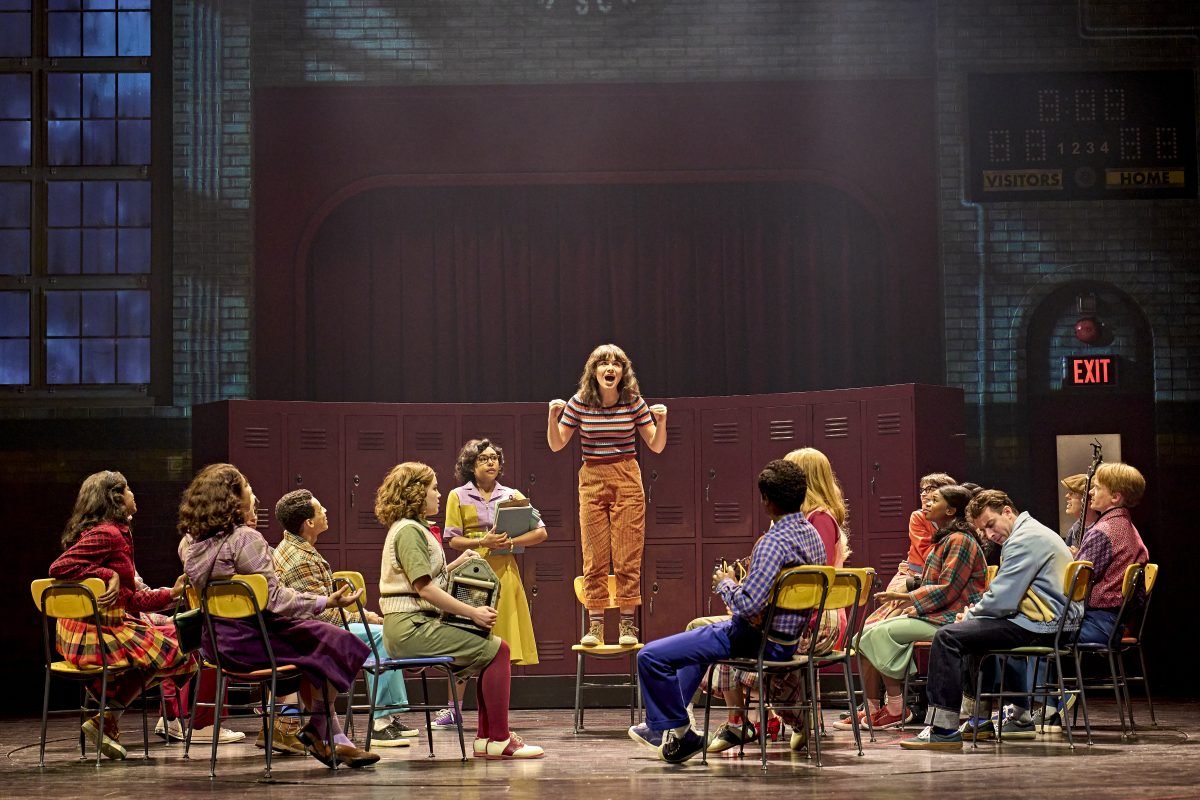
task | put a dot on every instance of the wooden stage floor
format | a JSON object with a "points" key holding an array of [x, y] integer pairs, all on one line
{"points": [[603, 763]]}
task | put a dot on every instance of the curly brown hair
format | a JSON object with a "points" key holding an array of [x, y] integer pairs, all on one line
{"points": [[589, 389], [464, 467], [212, 502], [101, 499], [402, 493]]}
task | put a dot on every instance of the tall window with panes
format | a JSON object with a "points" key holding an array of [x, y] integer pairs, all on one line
{"points": [[81, 199]]}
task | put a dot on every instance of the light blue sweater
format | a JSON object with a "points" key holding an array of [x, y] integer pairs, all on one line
{"points": [[1034, 557]]}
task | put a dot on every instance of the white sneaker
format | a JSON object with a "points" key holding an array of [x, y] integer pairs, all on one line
{"points": [[226, 736], [171, 730]]}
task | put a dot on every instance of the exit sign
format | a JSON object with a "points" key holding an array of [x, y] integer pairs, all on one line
{"points": [[1090, 371]]}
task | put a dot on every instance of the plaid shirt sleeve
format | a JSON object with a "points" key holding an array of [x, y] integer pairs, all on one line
{"points": [[299, 570], [944, 591]]}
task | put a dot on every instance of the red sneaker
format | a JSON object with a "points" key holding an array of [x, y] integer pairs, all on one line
{"points": [[884, 719]]}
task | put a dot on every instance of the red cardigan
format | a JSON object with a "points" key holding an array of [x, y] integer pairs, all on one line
{"points": [[100, 552]]}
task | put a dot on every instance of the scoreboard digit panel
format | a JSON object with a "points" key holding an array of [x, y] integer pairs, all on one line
{"points": [[1081, 135]]}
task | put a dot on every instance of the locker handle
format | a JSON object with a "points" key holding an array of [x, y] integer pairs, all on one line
{"points": [[706, 486], [652, 605], [650, 495]]}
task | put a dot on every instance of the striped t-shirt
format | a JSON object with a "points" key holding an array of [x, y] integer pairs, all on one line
{"points": [[607, 434]]}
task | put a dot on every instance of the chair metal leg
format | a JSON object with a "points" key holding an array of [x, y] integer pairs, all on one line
{"points": [[850, 704], [45, 716], [870, 726], [633, 687], [1087, 725], [1120, 659], [578, 692], [100, 718], [268, 726], [212, 759], [1146, 683], [1117, 694], [455, 700], [1060, 698], [707, 712], [425, 701], [764, 689], [372, 700], [190, 721], [815, 710]]}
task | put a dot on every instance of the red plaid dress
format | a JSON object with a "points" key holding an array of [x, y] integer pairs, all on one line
{"points": [[126, 640]]}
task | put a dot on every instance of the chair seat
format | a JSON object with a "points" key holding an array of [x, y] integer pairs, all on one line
{"points": [[68, 670], [607, 649], [408, 663], [1031, 650], [262, 674], [750, 664]]}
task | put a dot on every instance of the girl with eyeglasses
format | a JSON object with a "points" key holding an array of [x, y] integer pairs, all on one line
{"points": [[471, 525]]}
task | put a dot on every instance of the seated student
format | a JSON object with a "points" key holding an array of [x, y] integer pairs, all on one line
{"points": [[1076, 485], [302, 568], [920, 542], [955, 575], [1034, 561], [97, 543], [1112, 544], [413, 577], [670, 669], [212, 515], [825, 507]]}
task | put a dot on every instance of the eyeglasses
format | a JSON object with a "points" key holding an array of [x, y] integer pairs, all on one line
{"points": [[489, 459]]}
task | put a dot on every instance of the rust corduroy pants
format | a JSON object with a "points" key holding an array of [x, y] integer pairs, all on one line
{"points": [[612, 522]]}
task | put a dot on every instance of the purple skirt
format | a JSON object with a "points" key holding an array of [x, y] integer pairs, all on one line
{"points": [[321, 651]]}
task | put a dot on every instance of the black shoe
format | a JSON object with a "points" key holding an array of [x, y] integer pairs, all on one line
{"points": [[677, 749]]}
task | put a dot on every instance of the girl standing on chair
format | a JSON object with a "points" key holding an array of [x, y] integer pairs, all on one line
{"points": [[97, 543], [609, 412]]}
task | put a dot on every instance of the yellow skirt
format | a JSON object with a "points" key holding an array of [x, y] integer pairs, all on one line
{"points": [[513, 623]]}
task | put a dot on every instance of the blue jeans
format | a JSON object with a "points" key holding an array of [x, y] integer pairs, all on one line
{"points": [[670, 669], [961, 643], [391, 685]]}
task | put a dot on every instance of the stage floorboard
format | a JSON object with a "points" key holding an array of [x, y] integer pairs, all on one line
{"points": [[603, 763]]}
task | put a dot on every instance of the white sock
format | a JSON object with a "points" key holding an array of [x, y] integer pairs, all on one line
{"points": [[381, 723], [682, 730]]}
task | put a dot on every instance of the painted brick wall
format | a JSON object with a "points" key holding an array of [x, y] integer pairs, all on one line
{"points": [[1001, 259]]}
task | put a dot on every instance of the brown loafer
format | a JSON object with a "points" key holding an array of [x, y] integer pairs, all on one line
{"points": [[350, 756]]}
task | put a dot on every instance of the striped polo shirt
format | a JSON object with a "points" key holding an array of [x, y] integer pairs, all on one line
{"points": [[607, 434]]}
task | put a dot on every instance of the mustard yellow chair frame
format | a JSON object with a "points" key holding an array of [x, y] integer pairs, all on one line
{"points": [[75, 600], [245, 597], [604, 652], [795, 589]]}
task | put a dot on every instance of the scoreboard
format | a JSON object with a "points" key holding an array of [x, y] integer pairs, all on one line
{"points": [[1081, 135]]}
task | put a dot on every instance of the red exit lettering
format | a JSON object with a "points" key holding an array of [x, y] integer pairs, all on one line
{"points": [[1092, 371]]}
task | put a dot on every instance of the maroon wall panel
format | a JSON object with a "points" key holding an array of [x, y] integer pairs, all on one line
{"points": [[871, 142]]}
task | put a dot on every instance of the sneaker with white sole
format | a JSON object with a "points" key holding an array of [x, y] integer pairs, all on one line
{"points": [[647, 737], [929, 739], [1014, 727], [169, 729], [729, 736], [677, 748], [975, 728], [105, 737], [884, 719], [447, 718], [846, 724], [391, 736], [406, 730], [1049, 720], [627, 635], [226, 736], [594, 636]]}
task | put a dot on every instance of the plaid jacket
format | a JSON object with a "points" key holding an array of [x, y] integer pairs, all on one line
{"points": [[955, 575], [300, 567]]}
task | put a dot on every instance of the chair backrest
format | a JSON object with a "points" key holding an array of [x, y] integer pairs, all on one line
{"points": [[849, 588], [1136, 588], [67, 599], [236, 598], [802, 588], [355, 579], [861, 579], [1077, 586], [612, 591], [991, 573]]}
